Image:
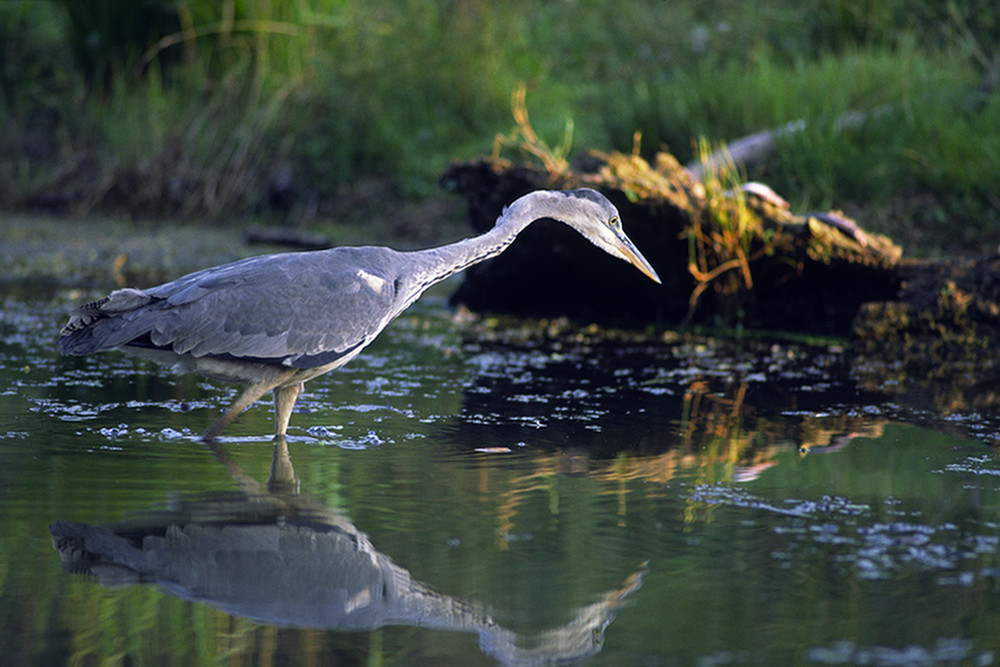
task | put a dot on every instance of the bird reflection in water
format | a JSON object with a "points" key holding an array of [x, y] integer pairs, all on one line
{"points": [[271, 555]]}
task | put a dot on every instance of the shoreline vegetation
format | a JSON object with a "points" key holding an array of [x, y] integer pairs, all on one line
{"points": [[314, 115]]}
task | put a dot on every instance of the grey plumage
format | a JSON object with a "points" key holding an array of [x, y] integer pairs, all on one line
{"points": [[267, 308], [272, 322]]}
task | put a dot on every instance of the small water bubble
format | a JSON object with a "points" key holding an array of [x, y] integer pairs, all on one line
{"points": [[868, 569], [371, 440], [827, 528], [963, 579], [114, 431]]}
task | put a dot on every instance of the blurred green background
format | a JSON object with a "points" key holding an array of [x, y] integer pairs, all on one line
{"points": [[268, 109]]}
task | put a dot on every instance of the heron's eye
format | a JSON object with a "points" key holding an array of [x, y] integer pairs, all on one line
{"points": [[614, 222]]}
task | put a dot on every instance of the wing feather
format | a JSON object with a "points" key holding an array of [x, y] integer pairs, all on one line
{"points": [[302, 309]]}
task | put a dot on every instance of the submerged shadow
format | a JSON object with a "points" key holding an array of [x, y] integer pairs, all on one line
{"points": [[274, 556]]}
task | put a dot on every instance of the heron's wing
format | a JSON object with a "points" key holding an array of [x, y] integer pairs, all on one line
{"points": [[301, 309]]}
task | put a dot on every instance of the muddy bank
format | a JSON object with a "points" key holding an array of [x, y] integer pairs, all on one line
{"points": [[938, 339]]}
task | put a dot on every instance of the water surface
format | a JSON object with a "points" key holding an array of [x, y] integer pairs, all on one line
{"points": [[449, 498]]}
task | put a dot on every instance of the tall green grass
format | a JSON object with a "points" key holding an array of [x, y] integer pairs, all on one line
{"points": [[209, 104]]}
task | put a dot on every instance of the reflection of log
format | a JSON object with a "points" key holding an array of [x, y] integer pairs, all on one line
{"points": [[807, 274]]}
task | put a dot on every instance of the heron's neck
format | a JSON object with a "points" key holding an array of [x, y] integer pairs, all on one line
{"points": [[436, 264]]}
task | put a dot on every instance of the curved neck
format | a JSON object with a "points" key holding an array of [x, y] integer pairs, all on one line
{"points": [[453, 258], [433, 265]]}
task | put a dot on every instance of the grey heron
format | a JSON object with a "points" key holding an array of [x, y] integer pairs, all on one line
{"points": [[275, 321]]}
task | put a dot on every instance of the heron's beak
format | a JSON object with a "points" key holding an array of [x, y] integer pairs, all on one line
{"points": [[630, 253]]}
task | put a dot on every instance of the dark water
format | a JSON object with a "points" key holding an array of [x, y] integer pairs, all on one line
{"points": [[446, 500]]}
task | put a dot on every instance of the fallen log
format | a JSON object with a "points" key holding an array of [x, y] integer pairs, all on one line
{"points": [[728, 256]]}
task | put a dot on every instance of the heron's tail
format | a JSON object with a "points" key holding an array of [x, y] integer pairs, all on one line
{"points": [[84, 333]]}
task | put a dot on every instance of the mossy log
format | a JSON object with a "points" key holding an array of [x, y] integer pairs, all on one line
{"points": [[799, 273]]}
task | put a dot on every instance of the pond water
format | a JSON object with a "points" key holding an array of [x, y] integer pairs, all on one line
{"points": [[453, 498]]}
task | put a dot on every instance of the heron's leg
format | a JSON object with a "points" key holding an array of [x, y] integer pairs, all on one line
{"points": [[242, 402], [245, 400], [284, 401]]}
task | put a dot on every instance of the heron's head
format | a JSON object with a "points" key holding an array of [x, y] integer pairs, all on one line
{"points": [[590, 213]]}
